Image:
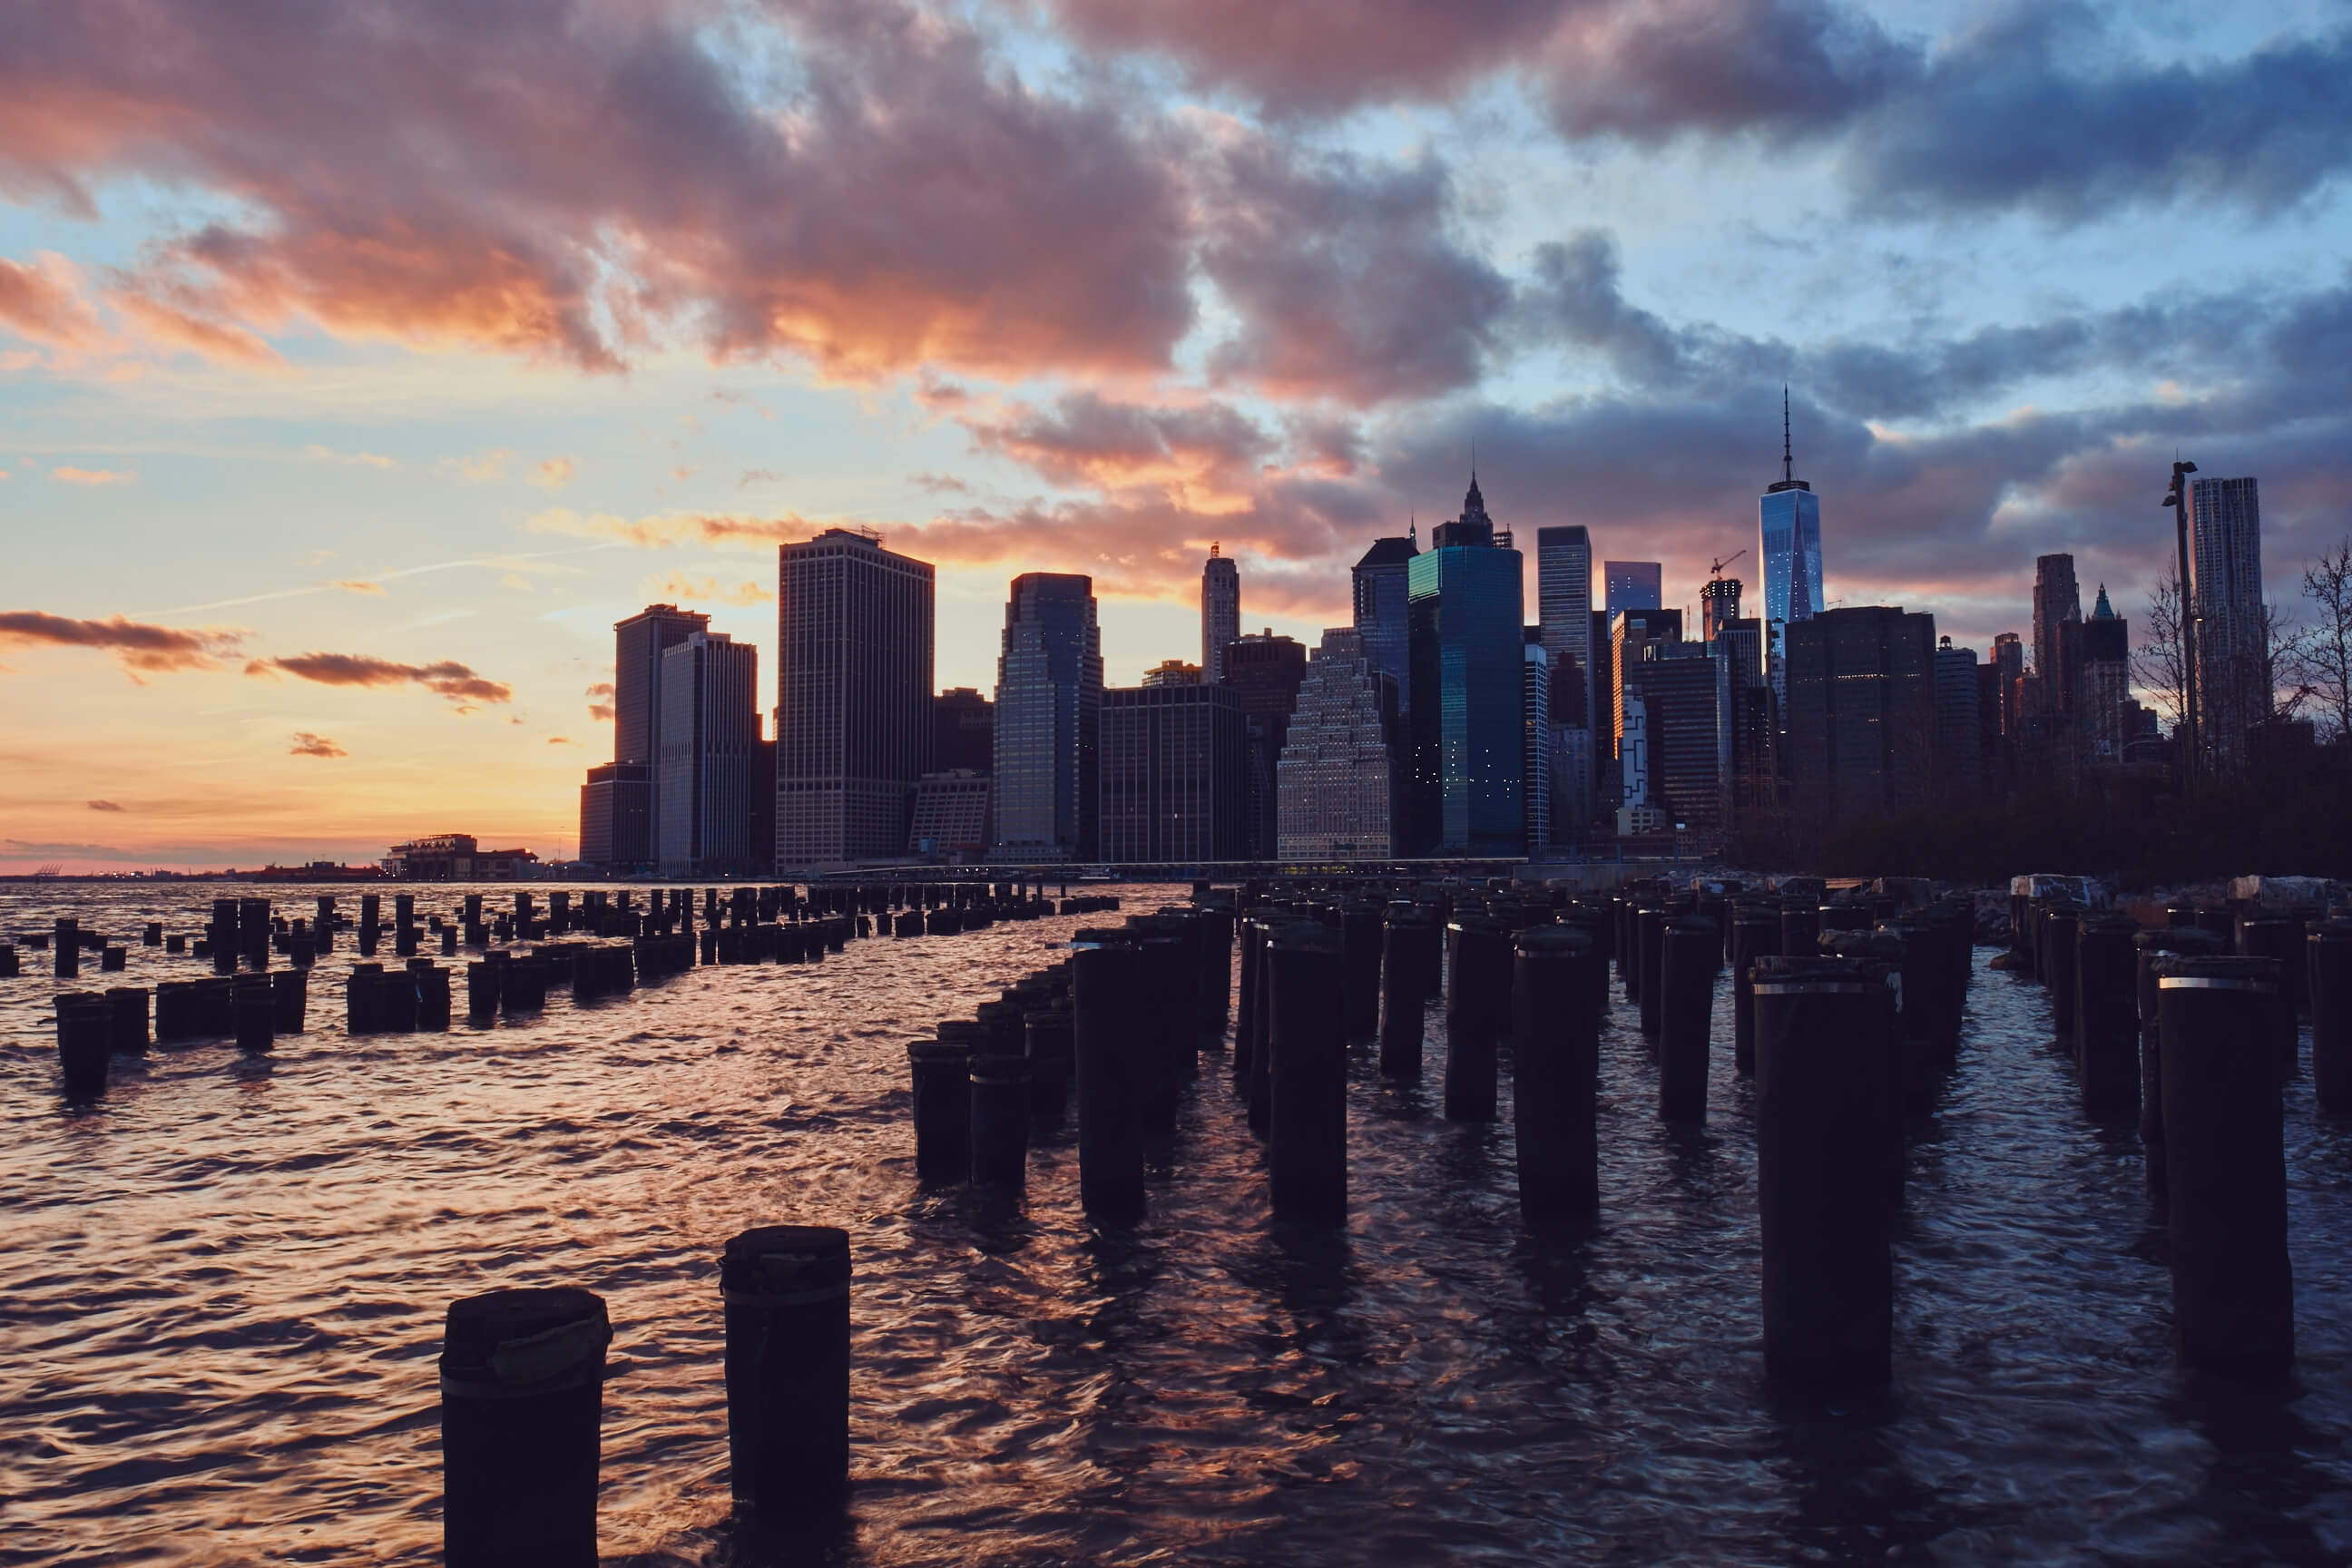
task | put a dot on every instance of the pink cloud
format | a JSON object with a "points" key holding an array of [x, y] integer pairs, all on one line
{"points": [[447, 677], [140, 648], [576, 183], [41, 302]]}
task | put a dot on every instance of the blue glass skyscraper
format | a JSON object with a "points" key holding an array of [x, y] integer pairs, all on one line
{"points": [[1049, 685], [1791, 552], [1464, 602]]}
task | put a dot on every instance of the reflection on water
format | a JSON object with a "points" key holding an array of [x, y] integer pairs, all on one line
{"points": [[221, 1291]]}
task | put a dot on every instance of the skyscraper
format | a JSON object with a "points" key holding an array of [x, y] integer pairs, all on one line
{"points": [[1536, 748], [2057, 602], [1860, 732], [1381, 593], [614, 807], [1959, 754], [1745, 719], [2008, 658], [1173, 780], [1790, 546], [1630, 632], [1264, 670], [1464, 606], [1633, 585], [1564, 607], [1049, 693], [1719, 605], [638, 644], [854, 626], [1339, 793], [1221, 612], [710, 741], [2106, 682], [963, 731], [2225, 546], [1678, 689]]}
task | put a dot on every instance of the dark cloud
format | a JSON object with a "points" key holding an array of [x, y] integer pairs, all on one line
{"points": [[305, 744], [1575, 296], [1319, 56], [140, 648], [103, 805], [1084, 439], [456, 681], [1346, 276], [2042, 107]]}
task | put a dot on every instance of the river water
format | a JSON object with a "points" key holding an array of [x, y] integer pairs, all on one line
{"points": [[221, 1292]]}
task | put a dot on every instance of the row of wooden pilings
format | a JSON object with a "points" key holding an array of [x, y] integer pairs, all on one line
{"points": [[2190, 1029]]}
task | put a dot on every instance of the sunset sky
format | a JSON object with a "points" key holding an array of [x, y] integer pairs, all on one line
{"points": [[362, 364]]}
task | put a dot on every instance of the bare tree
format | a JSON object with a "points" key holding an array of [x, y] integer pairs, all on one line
{"points": [[2284, 659], [2326, 652], [2156, 663]]}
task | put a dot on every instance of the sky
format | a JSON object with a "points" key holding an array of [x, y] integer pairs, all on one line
{"points": [[362, 362]]}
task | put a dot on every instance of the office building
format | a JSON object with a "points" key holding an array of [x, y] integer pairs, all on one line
{"points": [[1049, 694], [708, 747], [963, 731], [951, 818], [1678, 686], [1630, 632], [1958, 764], [1221, 611], [1467, 771], [1381, 591], [2057, 604], [1339, 783], [1174, 672], [638, 644], [1264, 670], [1174, 781], [1536, 746], [1640, 815], [1601, 723], [2009, 663], [1745, 714], [1564, 610], [1632, 586], [615, 805], [1719, 605], [2225, 565], [1859, 736], [1788, 541], [1996, 776], [2106, 686], [854, 721]]}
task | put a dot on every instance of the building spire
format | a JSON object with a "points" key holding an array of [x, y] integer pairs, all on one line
{"points": [[1788, 454]]}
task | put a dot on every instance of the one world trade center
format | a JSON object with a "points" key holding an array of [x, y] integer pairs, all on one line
{"points": [[1792, 549]]}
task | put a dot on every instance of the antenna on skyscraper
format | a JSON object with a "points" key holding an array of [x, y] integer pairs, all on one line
{"points": [[1788, 456]]}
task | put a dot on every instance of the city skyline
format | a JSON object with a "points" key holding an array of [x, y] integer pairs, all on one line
{"points": [[333, 450]]}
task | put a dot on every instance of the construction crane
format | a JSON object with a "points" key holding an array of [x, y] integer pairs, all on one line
{"points": [[1717, 570]]}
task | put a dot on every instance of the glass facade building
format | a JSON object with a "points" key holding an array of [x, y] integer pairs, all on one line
{"points": [[1381, 590], [1464, 602], [1049, 687], [708, 746], [1791, 548], [2225, 568], [1630, 584]]}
